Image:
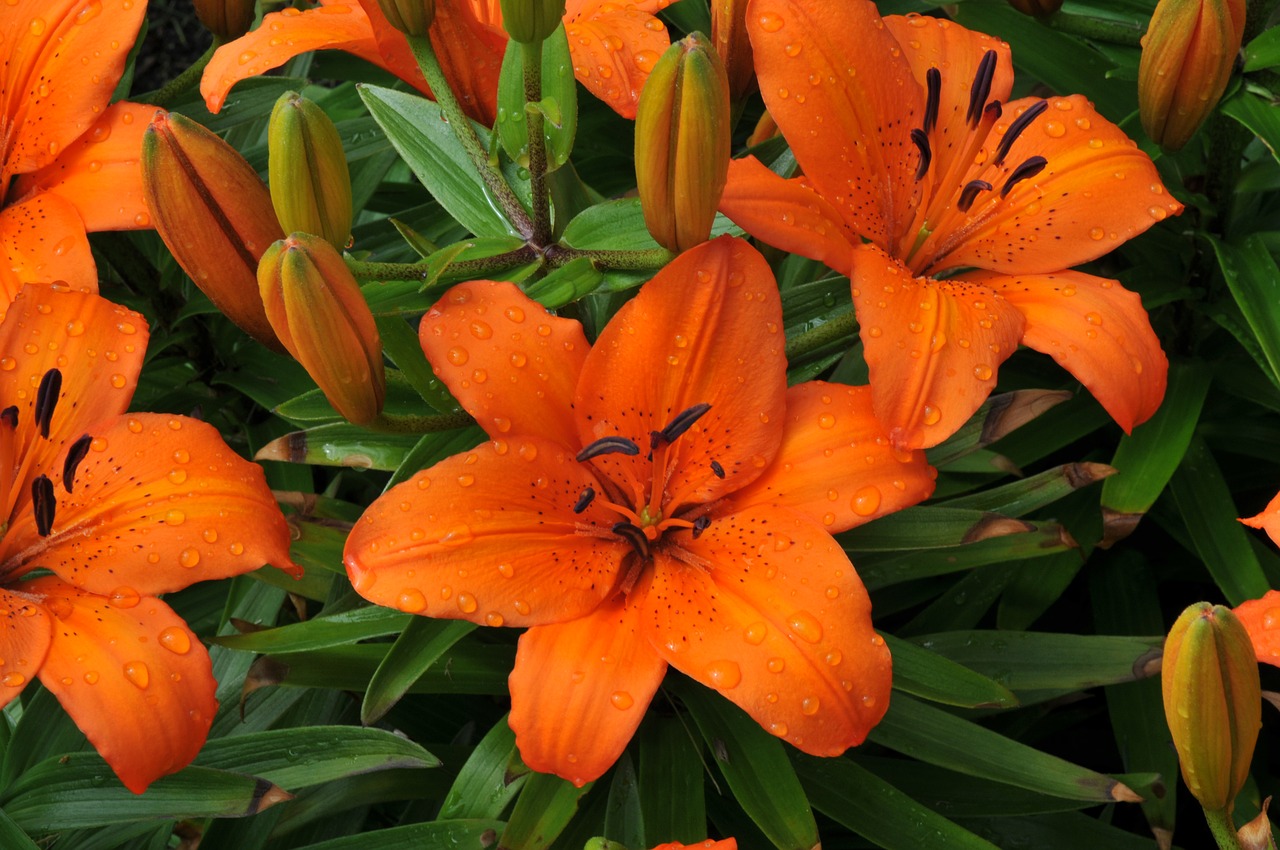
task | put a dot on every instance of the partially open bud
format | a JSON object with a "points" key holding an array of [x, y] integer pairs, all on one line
{"points": [[307, 171], [729, 32], [1212, 702], [226, 19], [212, 211], [1187, 57], [411, 17], [682, 143], [1036, 8], [529, 21], [317, 310]]}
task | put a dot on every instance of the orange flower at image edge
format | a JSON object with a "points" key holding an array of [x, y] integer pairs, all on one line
{"points": [[658, 498], [906, 137], [70, 161], [102, 511]]}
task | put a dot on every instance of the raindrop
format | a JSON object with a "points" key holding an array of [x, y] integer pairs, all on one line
{"points": [[176, 640], [724, 674], [137, 673], [806, 626]]}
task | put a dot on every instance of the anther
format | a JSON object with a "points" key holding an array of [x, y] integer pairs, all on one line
{"points": [[43, 504], [922, 143], [1030, 168], [717, 469], [75, 454], [1016, 126], [933, 83], [9, 416], [700, 525], [607, 446], [981, 87], [47, 400], [970, 193], [584, 499], [635, 536], [683, 422]]}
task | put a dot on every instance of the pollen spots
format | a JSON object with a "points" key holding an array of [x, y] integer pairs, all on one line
{"points": [[724, 674]]}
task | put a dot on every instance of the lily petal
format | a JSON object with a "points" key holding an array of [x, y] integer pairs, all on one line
{"points": [[1261, 617], [43, 241], [100, 173], [788, 214], [470, 54], [1097, 330], [855, 157], [614, 49], [490, 536], [706, 330], [932, 347], [511, 364], [1268, 521], [63, 60], [832, 427], [135, 680], [788, 638], [24, 642], [580, 689], [157, 503]]}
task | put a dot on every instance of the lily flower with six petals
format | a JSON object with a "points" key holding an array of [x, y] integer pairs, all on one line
{"points": [[102, 511], [973, 208], [660, 497]]}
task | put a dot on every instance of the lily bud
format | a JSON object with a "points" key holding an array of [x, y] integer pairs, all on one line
{"points": [[226, 19], [212, 211], [530, 21], [1256, 834], [1187, 57], [307, 171], [682, 143], [1036, 8], [1212, 702], [729, 32], [411, 17], [317, 310]]}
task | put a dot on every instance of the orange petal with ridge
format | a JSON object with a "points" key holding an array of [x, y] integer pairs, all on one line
{"points": [[1268, 521], [614, 49], [100, 174], [932, 346], [63, 59], [1097, 330], [511, 364], [44, 241], [788, 214], [470, 54], [133, 677], [579, 690], [831, 426], [838, 62], [1261, 617], [24, 642], [157, 503], [706, 330], [490, 536], [1097, 190], [775, 619]]}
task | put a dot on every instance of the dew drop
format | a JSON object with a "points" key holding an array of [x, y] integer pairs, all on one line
{"points": [[755, 633], [931, 415], [621, 700], [779, 729], [1096, 233], [776, 665], [124, 597], [175, 517], [826, 421], [724, 674], [176, 640], [137, 673], [411, 600], [806, 626], [866, 500], [457, 355], [809, 706], [493, 618], [91, 678], [14, 680], [190, 557], [467, 603], [982, 372], [770, 22]]}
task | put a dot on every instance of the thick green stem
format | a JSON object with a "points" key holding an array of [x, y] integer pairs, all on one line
{"points": [[531, 57], [824, 334], [1223, 829], [363, 270], [180, 84], [650, 260], [389, 423], [458, 269], [466, 134]]}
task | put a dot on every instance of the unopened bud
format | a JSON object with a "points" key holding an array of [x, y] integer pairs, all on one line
{"points": [[307, 171], [319, 313], [530, 21], [411, 17], [682, 143], [1036, 8], [729, 32], [1187, 57], [226, 19], [1256, 834], [212, 211], [1212, 702]]}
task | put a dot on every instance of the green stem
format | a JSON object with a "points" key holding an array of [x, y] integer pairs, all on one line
{"points": [[390, 423], [650, 260], [466, 134], [363, 270], [824, 334], [1099, 29], [181, 83], [531, 57], [459, 269], [1223, 829]]}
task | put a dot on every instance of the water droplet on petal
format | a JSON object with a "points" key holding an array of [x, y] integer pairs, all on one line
{"points": [[724, 674], [137, 673], [809, 706], [806, 626], [14, 680], [176, 640], [621, 700], [755, 633]]}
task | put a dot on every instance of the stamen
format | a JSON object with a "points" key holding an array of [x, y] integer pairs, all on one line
{"points": [[717, 469], [700, 525], [606, 446], [926, 155], [993, 111], [1030, 168], [584, 499], [47, 400], [43, 504], [970, 193], [75, 454], [9, 416], [981, 87], [1015, 129], [933, 82], [635, 536], [683, 422]]}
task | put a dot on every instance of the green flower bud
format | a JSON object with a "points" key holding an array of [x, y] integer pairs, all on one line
{"points": [[529, 21], [411, 17], [307, 171], [226, 19]]}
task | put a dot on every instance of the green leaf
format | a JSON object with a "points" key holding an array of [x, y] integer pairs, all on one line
{"points": [[313, 407], [419, 646], [1263, 51], [546, 805], [559, 104], [998, 415], [12, 837], [467, 669], [334, 630], [619, 226], [1258, 116], [417, 129], [567, 284], [623, 821], [755, 765], [1029, 494], [490, 778], [925, 527], [441, 833], [340, 444], [883, 570], [671, 784], [1060, 831], [1254, 280], [925, 673]]}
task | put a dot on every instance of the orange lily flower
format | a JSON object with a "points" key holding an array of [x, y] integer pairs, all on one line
{"points": [[110, 509], [614, 45], [68, 163], [709, 844], [1261, 619], [907, 139], [658, 498]]}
